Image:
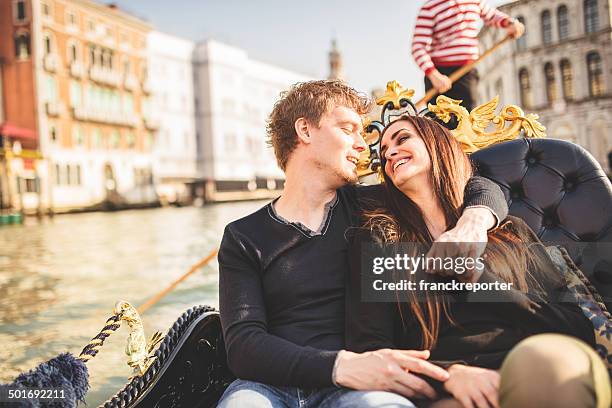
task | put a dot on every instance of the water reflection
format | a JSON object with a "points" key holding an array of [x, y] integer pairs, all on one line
{"points": [[60, 278]]}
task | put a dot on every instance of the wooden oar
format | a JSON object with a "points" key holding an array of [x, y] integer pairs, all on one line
{"points": [[462, 71], [153, 300]]}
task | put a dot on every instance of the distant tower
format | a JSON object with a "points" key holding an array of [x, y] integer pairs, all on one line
{"points": [[335, 62]]}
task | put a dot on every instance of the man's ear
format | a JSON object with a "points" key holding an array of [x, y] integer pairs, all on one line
{"points": [[302, 130]]}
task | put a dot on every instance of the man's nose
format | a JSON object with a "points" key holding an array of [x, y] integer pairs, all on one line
{"points": [[360, 144]]}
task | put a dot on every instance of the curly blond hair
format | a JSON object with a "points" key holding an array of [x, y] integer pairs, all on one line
{"points": [[309, 100]]}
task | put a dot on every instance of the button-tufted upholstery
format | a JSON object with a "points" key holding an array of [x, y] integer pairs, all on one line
{"points": [[559, 189]]}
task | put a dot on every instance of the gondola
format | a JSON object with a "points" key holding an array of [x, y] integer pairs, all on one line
{"points": [[556, 186]]}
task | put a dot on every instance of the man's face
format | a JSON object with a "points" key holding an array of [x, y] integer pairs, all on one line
{"points": [[337, 142]]}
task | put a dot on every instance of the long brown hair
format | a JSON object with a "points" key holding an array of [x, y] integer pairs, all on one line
{"points": [[401, 220]]}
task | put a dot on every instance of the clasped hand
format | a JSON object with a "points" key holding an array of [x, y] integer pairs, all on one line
{"points": [[389, 370]]}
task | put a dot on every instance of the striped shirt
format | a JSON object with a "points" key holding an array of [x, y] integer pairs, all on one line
{"points": [[446, 32]]}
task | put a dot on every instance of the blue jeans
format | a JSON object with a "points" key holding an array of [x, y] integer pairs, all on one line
{"points": [[251, 394]]}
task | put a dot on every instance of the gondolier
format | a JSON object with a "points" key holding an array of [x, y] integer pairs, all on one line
{"points": [[445, 39]]}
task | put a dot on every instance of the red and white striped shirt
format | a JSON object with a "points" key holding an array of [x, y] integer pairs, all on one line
{"points": [[446, 32]]}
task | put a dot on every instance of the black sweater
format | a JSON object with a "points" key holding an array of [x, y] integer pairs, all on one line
{"points": [[483, 333], [282, 288]]}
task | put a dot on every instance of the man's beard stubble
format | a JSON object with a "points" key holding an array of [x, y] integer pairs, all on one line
{"points": [[346, 178]]}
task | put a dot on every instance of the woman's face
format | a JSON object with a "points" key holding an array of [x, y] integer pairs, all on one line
{"points": [[407, 160]]}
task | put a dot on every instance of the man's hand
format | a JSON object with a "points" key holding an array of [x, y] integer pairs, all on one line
{"points": [[468, 240], [515, 29], [473, 386], [441, 82], [388, 370]]}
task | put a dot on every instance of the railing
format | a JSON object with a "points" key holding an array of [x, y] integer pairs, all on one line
{"points": [[51, 62], [130, 82], [151, 123], [97, 115], [146, 86], [54, 108], [77, 70], [104, 76]]}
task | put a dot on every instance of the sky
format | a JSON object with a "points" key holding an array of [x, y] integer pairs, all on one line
{"points": [[373, 37]]}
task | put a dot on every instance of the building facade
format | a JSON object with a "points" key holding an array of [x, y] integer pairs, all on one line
{"points": [[560, 69], [234, 95], [171, 78], [19, 148], [79, 81]]}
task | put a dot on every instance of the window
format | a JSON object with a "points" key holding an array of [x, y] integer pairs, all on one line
{"points": [[58, 175], [149, 141], [230, 142], [525, 87], [549, 77], [131, 140], [546, 27], [50, 88], [71, 18], [126, 66], [91, 25], [92, 55], [77, 135], [22, 46], [46, 10], [128, 102], [567, 79], [97, 138], [521, 43], [75, 93], [53, 133], [77, 174], [595, 70], [563, 22], [591, 16], [499, 87], [20, 11], [115, 139], [31, 185], [106, 59], [48, 44], [73, 52]]}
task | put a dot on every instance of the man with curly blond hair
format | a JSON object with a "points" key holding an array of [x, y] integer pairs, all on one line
{"points": [[283, 268]]}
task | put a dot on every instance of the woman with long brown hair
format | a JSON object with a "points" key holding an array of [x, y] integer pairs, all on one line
{"points": [[425, 173]]}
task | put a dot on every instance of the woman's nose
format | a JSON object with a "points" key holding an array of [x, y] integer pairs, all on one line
{"points": [[391, 151]]}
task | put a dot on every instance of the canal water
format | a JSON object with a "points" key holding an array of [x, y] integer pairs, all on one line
{"points": [[60, 278]]}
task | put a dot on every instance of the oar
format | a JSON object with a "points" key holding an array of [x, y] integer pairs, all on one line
{"points": [[462, 71], [154, 299], [68, 373]]}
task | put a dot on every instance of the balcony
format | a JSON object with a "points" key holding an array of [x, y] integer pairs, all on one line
{"points": [[151, 123], [100, 116], [51, 62], [54, 109], [77, 70], [104, 76], [146, 87], [130, 82]]}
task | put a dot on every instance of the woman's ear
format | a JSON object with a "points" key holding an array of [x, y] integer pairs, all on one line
{"points": [[301, 130]]}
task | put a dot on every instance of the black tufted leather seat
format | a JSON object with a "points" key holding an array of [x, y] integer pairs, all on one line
{"points": [[559, 189]]}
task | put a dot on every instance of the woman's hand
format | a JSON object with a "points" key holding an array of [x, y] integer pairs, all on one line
{"points": [[473, 386]]}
